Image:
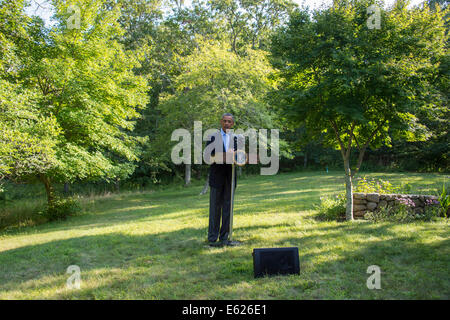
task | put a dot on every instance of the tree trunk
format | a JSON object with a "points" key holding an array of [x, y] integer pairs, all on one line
{"points": [[66, 188], [187, 175], [305, 160], [198, 172], [206, 187], [48, 188], [348, 191], [345, 152], [117, 185]]}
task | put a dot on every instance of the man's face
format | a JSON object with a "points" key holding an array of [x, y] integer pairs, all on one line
{"points": [[227, 123]]}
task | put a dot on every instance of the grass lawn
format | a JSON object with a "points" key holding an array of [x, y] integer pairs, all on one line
{"points": [[151, 245]]}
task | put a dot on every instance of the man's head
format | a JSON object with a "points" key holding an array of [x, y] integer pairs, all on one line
{"points": [[227, 121]]}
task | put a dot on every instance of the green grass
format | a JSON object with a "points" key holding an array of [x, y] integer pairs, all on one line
{"points": [[151, 245]]}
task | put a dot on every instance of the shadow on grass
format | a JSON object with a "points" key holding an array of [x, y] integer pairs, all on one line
{"points": [[123, 209], [179, 265], [410, 267], [169, 259]]}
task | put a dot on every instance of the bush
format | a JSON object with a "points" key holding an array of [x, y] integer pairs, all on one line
{"points": [[367, 185], [444, 202], [332, 208], [402, 213], [430, 213], [61, 208], [21, 213]]}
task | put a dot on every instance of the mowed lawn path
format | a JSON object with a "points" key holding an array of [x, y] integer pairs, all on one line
{"points": [[151, 245]]}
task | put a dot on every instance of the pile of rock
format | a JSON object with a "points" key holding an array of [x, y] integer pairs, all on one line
{"points": [[363, 202]]}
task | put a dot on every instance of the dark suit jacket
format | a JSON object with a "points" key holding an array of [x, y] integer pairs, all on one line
{"points": [[219, 174]]}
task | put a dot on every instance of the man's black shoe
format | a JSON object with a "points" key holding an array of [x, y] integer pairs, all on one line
{"points": [[231, 243], [215, 244]]}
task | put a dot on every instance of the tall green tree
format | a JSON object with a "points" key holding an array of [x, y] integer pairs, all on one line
{"points": [[85, 87], [264, 16], [216, 80], [250, 22], [360, 86], [27, 138], [171, 40]]}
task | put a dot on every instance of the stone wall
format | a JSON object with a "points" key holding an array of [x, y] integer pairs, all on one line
{"points": [[363, 202]]}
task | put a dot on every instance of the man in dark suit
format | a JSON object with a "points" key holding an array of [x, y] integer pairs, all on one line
{"points": [[220, 181]]}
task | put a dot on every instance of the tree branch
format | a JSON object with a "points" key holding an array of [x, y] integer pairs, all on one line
{"points": [[40, 84], [357, 144], [336, 131], [363, 150]]}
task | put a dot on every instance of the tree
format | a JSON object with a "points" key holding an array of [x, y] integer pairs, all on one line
{"points": [[216, 80], [139, 20], [359, 86], [27, 138], [85, 90], [249, 21], [175, 38], [161, 45], [264, 17]]}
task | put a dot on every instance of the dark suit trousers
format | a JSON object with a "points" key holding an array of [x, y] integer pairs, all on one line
{"points": [[219, 204]]}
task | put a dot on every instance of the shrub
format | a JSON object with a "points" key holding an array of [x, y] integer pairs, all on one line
{"points": [[405, 188], [402, 212], [444, 202], [21, 213], [332, 208], [61, 208], [367, 185], [430, 213]]}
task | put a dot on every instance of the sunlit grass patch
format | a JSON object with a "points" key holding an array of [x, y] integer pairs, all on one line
{"points": [[152, 245]]}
